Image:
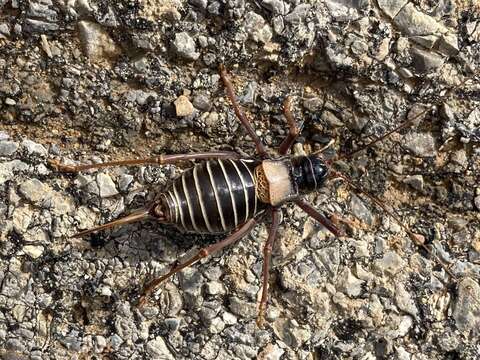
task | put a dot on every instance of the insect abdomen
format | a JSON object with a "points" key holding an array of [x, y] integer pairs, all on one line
{"points": [[213, 197]]}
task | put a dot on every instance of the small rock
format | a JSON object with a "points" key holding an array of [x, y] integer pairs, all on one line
{"points": [[8, 148], [106, 185], [242, 308], [256, 27], [467, 307], [277, 7], [425, 61], [415, 181], [202, 102], [97, 43], [10, 102], [416, 23], [100, 343], [349, 284], [40, 26], [183, 106], [477, 202], [157, 349], [33, 189], [313, 104], [404, 300], [271, 352], [33, 148], [185, 46], [124, 181], [34, 251], [214, 288], [7, 169], [420, 144], [391, 7], [360, 210], [391, 263]]}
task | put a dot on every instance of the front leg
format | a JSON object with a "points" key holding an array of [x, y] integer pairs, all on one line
{"points": [[267, 254]]}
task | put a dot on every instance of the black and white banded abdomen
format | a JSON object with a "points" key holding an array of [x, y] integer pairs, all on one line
{"points": [[213, 197]]}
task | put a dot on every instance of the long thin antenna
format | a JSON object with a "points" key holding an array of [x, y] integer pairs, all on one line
{"points": [[415, 238], [406, 124]]}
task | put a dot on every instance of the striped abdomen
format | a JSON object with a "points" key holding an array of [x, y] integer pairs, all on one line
{"points": [[213, 197]]}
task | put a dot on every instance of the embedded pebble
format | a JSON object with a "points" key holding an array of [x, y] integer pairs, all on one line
{"points": [[183, 106], [34, 148], [106, 186], [8, 148], [420, 144], [97, 43], [467, 308], [185, 47]]}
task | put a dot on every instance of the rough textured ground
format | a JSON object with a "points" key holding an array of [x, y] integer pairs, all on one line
{"points": [[84, 81]]}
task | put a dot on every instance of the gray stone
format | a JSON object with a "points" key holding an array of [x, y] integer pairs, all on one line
{"points": [[415, 23], [8, 148], [202, 102], [157, 349], [391, 263], [7, 169], [415, 181], [349, 284], [360, 210], [40, 26], [425, 61], [466, 311], [299, 13], [124, 182], [277, 7], [4, 136], [391, 7], [420, 144], [242, 308], [256, 27], [185, 47], [33, 148], [34, 190], [404, 300], [106, 186]]}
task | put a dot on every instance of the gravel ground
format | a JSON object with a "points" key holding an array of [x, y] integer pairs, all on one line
{"points": [[86, 80]]}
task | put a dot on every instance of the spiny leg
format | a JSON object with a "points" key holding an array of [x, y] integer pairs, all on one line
{"points": [[267, 254], [241, 116], [156, 160], [311, 211], [414, 237], [293, 128], [233, 237]]}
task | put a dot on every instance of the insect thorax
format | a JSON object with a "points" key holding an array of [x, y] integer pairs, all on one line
{"points": [[282, 180]]}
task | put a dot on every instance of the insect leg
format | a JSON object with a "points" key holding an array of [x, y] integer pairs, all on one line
{"points": [[156, 160], [293, 131], [311, 211], [241, 116], [267, 254], [233, 237]]}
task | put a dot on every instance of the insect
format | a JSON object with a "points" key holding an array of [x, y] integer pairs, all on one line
{"points": [[227, 193]]}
